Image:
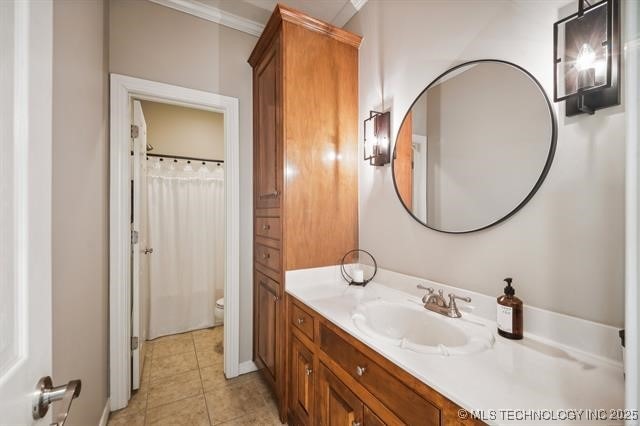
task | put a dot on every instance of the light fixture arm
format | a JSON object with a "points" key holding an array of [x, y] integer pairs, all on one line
{"points": [[581, 6]]}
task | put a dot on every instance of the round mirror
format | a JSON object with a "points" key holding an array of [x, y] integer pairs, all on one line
{"points": [[474, 147]]}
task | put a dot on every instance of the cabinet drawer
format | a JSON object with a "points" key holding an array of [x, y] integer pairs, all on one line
{"points": [[267, 256], [268, 227], [302, 321], [410, 407]]}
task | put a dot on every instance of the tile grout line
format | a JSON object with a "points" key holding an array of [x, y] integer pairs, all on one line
{"points": [[204, 396], [146, 402]]}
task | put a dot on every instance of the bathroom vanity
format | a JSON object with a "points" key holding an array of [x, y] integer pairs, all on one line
{"points": [[341, 372], [336, 379]]}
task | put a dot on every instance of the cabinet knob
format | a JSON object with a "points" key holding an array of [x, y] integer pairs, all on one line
{"points": [[300, 321], [266, 255], [360, 370], [308, 371], [276, 298], [266, 227], [355, 423]]}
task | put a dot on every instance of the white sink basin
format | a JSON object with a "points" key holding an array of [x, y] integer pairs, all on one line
{"points": [[413, 327]]}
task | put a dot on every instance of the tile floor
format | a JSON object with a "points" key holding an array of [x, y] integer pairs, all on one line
{"points": [[183, 384]]}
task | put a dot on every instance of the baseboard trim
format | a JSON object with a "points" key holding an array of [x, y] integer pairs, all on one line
{"points": [[247, 367], [105, 413]]}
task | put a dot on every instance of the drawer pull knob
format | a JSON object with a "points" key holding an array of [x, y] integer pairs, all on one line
{"points": [[360, 370], [308, 371], [300, 321], [266, 255], [276, 298], [355, 423], [266, 227]]}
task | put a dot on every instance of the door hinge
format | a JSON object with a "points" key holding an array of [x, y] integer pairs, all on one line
{"points": [[135, 131], [134, 237], [134, 343]]}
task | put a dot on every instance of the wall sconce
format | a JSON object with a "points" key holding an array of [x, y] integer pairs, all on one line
{"points": [[586, 54], [377, 137]]}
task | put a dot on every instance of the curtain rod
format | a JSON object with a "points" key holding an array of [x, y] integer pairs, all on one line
{"points": [[180, 157]]}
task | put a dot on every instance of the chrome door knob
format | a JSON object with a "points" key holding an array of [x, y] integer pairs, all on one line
{"points": [[47, 394], [148, 250]]}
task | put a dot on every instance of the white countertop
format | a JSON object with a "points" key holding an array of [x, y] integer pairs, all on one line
{"points": [[531, 376]]}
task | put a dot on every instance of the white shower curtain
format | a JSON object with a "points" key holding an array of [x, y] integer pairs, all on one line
{"points": [[186, 231]]}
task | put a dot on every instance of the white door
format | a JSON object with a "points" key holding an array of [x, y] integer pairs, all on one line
{"points": [[139, 249], [26, 30]]}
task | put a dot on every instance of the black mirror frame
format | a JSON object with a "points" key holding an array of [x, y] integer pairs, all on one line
{"points": [[543, 175]]}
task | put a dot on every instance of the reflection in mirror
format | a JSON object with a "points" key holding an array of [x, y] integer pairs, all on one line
{"points": [[474, 147]]}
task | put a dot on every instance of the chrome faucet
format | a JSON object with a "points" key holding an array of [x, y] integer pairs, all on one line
{"points": [[435, 302]]}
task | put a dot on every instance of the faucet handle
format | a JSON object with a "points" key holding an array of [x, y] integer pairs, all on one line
{"points": [[429, 291], [453, 297], [453, 308]]}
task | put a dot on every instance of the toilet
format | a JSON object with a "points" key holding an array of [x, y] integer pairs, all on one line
{"points": [[219, 314]]}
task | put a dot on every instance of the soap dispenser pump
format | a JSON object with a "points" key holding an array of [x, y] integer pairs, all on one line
{"points": [[509, 313]]}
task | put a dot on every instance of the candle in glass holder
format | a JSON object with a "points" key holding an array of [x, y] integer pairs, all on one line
{"points": [[358, 275]]}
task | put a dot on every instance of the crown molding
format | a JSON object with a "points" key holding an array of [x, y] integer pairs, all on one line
{"points": [[358, 4], [283, 13], [214, 14]]}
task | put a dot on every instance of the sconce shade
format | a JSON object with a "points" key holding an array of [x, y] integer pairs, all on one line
{"points": [[377, 138], [587, 58]]}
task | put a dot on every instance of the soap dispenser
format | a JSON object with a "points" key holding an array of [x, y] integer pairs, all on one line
{"points": [[509, 313]]}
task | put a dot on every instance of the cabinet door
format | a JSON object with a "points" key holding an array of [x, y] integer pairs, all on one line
{"points": [[337, 405], [266, 324], [302, 381], [268, 129], [370, 419]]}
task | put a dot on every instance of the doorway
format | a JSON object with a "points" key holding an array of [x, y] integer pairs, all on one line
{"points": [[132, 318], [178, 224]]}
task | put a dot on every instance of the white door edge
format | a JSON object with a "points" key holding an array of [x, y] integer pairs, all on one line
{"points": [[26, 135], [632, 249], [139, 149], [123, 90]]}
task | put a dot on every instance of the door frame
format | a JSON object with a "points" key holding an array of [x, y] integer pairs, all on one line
{"points": [[123, 90]]}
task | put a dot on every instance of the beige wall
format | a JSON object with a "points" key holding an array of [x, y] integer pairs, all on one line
{"points": [[80, 205], [157, 43], [189, 132], [565, 248]]}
